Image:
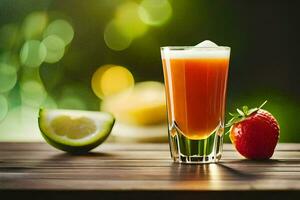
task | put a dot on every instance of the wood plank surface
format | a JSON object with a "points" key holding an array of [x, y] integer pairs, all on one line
{"points": [[133, 170]]}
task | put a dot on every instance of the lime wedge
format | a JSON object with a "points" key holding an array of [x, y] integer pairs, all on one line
{"points": [[75, 131]]}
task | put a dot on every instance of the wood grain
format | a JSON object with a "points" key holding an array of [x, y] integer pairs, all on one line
{"points": [[133, 170]]}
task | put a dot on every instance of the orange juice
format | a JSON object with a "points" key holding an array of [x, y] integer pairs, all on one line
{"points": [[196, 88]]}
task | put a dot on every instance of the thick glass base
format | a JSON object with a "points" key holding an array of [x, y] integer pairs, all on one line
{"points": [[184, 150]]}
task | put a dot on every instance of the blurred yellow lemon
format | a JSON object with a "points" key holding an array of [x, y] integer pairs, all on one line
{"points": [[111, 79], [145, 104]]}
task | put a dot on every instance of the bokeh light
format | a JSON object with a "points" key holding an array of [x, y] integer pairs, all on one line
{"points": [[60, 28], [3, 107], [8, 36], [33, 53], [73, 96], [10, 59], [51, 75], [155, 12], [72, 102], [34, 25], [33, 93], [125, 27], [128, 20], [49, 102], [29, 74], [115, 38], [8, 77], [55, 48], [108, 80]]}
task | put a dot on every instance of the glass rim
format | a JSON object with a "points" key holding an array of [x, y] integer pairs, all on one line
{"points": [[178, 48]]}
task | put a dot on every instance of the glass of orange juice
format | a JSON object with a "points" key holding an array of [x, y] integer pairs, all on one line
{"points": [[196, 79]]}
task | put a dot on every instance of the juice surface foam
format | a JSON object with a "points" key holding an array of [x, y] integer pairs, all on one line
{"points": [[195, 52]]}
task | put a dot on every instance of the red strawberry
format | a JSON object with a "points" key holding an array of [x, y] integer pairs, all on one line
{"points": [[254, 132]]}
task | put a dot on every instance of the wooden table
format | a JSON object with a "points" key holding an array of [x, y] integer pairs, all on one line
{"points": [[143, 171]]}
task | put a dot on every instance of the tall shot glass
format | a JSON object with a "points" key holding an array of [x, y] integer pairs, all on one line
{"points": [[196, 81]]}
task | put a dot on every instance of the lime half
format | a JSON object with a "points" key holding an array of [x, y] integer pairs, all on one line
{"points": [[75, 131]]}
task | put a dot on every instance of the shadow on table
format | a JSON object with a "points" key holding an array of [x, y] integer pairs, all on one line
{"points": [[237, 173], [68, 160], [211, 172]]}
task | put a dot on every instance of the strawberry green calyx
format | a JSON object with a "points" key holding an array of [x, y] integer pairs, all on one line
{"points": [[242, 114]]}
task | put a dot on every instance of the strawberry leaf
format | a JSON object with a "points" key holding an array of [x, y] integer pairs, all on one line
{"points": [[242, 114], [245, 109], [252, 110], [231, 114], [262, 104]]}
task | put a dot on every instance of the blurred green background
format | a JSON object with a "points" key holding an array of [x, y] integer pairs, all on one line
{"points": [[49, 50]]}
